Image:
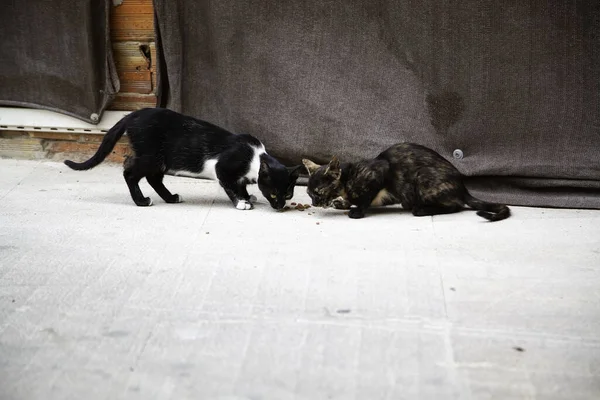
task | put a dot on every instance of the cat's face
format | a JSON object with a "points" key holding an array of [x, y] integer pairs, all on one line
{"points": [[324, 182], [277, 183]]}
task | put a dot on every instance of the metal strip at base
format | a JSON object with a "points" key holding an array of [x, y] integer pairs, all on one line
{"points": [[29, 119]]}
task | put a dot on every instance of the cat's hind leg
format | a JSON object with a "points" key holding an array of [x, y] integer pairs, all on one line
{"points": [[156, 181], [424, 210], [436, 193], [132, 177]]}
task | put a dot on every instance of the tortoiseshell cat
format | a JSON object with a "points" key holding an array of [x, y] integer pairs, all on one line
{"points": [[414, 176], [165, 142]]}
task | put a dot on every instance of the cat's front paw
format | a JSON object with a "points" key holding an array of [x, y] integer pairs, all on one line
{"points": [[356, 213], [340, 203], [243, 205], [252, 199], [145, 202]]}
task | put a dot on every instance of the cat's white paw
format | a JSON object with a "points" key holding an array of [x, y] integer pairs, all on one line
{"points": [[243, 205], [340, 203], [252, 198]]}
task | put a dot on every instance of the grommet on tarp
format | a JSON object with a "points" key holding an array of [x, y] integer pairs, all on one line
{"points": [[94, 117], [458, 154]]}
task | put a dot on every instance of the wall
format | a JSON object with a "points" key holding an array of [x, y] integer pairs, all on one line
{"points": [[134, 50]]}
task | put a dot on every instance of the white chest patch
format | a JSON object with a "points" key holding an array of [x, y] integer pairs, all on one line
{"points": [[208, 172], [383, 197], [252, 174]]}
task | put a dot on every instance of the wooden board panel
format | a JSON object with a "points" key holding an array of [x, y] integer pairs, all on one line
{"points": [[72, 137], [130, 57], [132, 36], [136, 82], [57, 145], [132, 102], [133, 62], [82, 151], [133, 20], [153, 63], [22, 147]]}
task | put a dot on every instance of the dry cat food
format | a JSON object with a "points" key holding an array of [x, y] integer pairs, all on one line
{"points": [[296, 206]]}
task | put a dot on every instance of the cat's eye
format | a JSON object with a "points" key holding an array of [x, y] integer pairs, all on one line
{"points": [[273, 196]]}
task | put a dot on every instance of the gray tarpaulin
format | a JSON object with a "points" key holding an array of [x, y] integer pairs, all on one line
{"points": [[56, 55], [514, 85]]}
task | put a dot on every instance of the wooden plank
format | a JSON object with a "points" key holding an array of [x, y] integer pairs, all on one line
{"points": [[130, 57], [72, 137], [136, 82], [133, 20], [133, 66], [153, 64], [134, 7], [84, 150], [132, 102], [57, 135], [132, 35]]}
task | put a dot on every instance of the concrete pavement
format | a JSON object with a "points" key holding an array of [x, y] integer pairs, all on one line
{"points": [[100, 299]]}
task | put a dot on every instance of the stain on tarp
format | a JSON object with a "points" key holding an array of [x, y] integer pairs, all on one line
{"points": [[445, 109]]}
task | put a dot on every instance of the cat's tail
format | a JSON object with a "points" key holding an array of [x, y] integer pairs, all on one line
{"points": [[489, 211], [108, 143]]}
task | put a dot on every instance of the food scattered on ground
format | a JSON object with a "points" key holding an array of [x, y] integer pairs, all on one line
{"points": [[297, 206]]}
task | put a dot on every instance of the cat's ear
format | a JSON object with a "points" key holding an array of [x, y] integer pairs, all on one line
{"points": [[264, 168], [294, 172], [311, 167], [333, 168]]}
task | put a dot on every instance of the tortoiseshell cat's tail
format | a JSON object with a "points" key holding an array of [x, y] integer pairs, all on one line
{"points": [[489, 211], [108, 143]]}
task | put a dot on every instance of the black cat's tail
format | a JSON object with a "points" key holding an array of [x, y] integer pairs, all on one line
{"points": [[489, 211], [108, 143]]}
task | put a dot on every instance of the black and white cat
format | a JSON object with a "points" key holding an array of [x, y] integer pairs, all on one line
{"points": [[164, 142]]}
